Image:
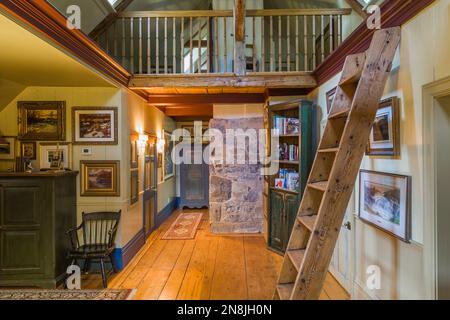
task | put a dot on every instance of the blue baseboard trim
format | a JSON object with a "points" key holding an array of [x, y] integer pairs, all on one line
{"points": [[167, 211], [123, 256]]}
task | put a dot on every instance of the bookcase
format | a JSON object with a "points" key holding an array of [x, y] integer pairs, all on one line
{"points": [[296, 126]]}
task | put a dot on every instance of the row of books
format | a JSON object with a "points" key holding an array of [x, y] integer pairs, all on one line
{"points": [[288, 152], [285, 126], [287, 179]]}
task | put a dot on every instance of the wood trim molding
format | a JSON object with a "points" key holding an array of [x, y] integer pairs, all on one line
{"points": [[224, 98], [393, 13], [46, 20]]}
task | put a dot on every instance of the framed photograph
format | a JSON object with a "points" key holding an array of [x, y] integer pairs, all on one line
{"points": [[41, 120], [7, 148], [134, 179], [49, 152], [385, 202], [169, 167], [384, 138], [28, 150], [330, 97], [95, 125], [100, 178], [134, 155]]}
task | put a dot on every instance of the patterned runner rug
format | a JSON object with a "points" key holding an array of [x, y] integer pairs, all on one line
{"points": [[36, 294], [185, 227]]}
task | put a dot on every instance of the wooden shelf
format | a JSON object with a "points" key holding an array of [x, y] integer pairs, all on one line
{"points": [[296, 257], [285, 290], [321, 186], [287, 162], [296, 135]]}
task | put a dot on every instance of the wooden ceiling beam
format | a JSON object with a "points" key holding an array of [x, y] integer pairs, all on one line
{"points": [[189, 111], [225, 98]]}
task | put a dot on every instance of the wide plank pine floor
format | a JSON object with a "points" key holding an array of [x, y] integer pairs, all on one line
{"points": [[234, 267]]}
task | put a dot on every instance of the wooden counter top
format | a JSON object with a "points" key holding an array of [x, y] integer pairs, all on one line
{"points": [[39, 174]]}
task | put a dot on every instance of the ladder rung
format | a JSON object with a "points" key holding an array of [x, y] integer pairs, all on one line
{"points": [[285, 291], [296, 257], [353, 79], [329, 150], [308, 221], [321, 185], [338, 115]]}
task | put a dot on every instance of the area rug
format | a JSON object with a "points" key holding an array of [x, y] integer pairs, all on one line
{"points": [[184, 227], [36, 294]]}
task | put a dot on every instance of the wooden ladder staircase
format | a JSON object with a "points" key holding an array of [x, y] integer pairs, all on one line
{"points": [[335, 169]]}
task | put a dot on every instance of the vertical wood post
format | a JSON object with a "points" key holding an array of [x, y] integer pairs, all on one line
{"points": [[239, 37]]}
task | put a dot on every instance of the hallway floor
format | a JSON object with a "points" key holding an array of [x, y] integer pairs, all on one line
{"points": [[235, 267]]}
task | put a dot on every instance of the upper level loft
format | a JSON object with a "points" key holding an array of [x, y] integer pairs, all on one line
{"points": [[219, 43]]}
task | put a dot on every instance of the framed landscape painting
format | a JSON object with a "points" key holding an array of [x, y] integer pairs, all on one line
{"points": [[95, 125], [49, 152], [100, 178], [7, 148], [169, 167], [28, 150], [42, 120], [384, 137], [385, 202]]}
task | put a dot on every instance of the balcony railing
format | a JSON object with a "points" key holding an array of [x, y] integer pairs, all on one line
{"points": [[189, 42]]}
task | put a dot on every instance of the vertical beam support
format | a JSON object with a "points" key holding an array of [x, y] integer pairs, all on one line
{"points": [[239, 37]]}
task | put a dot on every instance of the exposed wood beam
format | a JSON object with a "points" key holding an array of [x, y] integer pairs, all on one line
{"points": [[189, 111], [240, 65], [358, 8], [110, 18], [255, 80], [225, 98]]}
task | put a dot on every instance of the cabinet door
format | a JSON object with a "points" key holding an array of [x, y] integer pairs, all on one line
{"points": [[277, 237], [291, 205]]}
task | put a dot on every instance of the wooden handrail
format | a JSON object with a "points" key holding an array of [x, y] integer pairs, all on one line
{"points": [[229, 13]]}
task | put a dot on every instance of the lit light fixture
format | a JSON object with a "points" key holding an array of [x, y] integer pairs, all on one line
{"points": [[143, 138]]}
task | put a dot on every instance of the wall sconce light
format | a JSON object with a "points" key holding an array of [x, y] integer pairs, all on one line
{"points": [[160, 145]]}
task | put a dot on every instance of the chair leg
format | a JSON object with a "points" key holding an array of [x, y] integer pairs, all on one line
{"points": [[87, 265], [115, 270], [105, 281]]}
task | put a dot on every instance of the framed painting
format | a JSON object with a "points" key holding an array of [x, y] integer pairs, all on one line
{"points": [[134, 182], [134, 155], [100, 178], [95, 125], [50, 153], [385, 202], [384, 138], [28, 150], [330, 97], [169, 166], [7, 148], [42, 120]]}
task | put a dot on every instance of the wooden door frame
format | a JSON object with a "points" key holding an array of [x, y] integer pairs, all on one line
{"points": [[145, 188], [430, 93]]}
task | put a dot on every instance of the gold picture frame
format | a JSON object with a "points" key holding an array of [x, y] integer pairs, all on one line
{"points": [[42, 120], [100, 178], [7, 148], [95, 126], [28, 150]]}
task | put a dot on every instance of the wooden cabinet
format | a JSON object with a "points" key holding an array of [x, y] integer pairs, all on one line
{"points": [[282, 202], [35, 211]]}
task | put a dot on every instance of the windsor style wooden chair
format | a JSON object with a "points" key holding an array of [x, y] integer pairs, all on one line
{"points": [[98, 232]]}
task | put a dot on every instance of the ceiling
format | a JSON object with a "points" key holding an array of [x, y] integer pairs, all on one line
{"points": [[28, 60]]}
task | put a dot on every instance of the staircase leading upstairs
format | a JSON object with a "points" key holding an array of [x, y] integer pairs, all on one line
{"points": [[335, 169]]}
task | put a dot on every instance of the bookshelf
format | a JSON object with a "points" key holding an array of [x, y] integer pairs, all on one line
{"points": [[296, 125]]}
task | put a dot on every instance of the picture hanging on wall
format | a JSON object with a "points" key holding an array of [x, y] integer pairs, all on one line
{"points": [[169, 166], [42, 120], [50, 152], [100, 178], [134, 155], [28, 150], [7, 148], [95, 125], [330, 97], [384, 138], [385, 202], [134, 180]]}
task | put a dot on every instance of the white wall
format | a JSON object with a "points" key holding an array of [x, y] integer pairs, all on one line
{"points": [[423, 57]]}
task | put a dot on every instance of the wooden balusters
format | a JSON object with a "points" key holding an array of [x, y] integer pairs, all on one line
{"points": [[288, 43], [263, 46], [297, 48], [182, 46], [191, 65], [271, 45], [305, 49], [174, 45], [149, 47], [216, 43], [165, 45], [208, 45], [199, 45], [225, 57], [254, 44], [140, 45], [157, 44], [280, 48], [131, 45]]}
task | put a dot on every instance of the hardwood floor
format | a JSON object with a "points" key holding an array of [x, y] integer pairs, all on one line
{"points": [[232, 267]]}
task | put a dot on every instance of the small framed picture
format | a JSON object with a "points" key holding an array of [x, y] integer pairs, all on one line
{"points": [[95, 125], [100, 178], [279, 183], [134, 155], [385, 202], [384, 138], [169, 166], [50, 152], [7, 148], [42, 120], [134, 179], [330, 98], [28, 150]]}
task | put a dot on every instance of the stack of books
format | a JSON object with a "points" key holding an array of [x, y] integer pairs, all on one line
{"points": [[286, 126], [288, 179], [288, 152]]}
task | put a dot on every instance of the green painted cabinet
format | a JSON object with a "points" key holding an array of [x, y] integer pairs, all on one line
{"points": [[35, 211], [282, 203]]}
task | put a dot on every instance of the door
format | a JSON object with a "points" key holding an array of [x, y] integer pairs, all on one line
{"points": [[150, 190], [277, 229], [194, 184], [291, 204], [341, 266]]}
